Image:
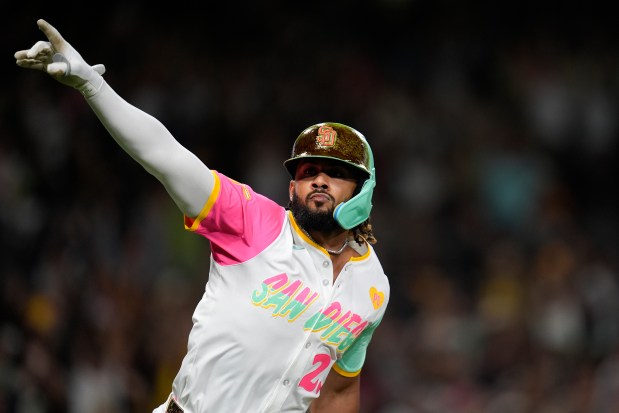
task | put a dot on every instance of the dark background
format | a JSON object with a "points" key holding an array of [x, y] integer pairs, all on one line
{"points": [[494, 126]]}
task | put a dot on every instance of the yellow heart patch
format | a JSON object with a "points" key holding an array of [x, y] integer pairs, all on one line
{"points": [[377, 297]]}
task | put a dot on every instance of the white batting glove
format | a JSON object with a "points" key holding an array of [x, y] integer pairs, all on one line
{"points": [[61, 61]]}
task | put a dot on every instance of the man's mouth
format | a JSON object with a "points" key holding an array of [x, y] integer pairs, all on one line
{"points": [[320, 197]]}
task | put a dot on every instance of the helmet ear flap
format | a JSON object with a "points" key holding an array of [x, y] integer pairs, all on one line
{"points": [[356, 210]]}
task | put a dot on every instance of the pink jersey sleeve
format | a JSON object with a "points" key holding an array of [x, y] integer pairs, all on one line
{"points": [[238, 222]]}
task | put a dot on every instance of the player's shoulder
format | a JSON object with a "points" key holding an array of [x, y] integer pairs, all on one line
{"points": [[373, 265]]}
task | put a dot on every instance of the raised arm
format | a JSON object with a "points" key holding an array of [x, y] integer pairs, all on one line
{"points": [[188, 181]]}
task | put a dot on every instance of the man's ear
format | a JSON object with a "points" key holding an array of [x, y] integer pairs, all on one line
{"points": [[291, 190]]}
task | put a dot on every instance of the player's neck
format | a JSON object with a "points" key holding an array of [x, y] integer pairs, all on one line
{"points": [[334, 242]]}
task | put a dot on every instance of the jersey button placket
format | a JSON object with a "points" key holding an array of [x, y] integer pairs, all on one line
{"points": [[326, 264]]}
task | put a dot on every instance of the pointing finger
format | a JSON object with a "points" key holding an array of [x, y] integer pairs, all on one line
{"points": [[51, 33]]}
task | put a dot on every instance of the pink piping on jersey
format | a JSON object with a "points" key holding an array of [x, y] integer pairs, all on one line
{"points": [[238, 222]]}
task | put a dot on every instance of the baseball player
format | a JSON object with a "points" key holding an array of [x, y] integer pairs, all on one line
{"points": [[294, 294]]}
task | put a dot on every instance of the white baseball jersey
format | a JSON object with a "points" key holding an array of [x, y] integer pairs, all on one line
{"points": [[272, 322]]}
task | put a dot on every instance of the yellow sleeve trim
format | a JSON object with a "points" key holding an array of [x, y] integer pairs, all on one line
{"points": [[344, 372], [208, 205], [304, 236]]}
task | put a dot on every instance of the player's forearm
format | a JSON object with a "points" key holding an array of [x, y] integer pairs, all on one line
{"points": [[142, 136], [340, 403], [338, 394], [188, 181]]}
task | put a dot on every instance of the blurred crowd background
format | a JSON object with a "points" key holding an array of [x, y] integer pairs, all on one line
{"points": [[494, 126]]}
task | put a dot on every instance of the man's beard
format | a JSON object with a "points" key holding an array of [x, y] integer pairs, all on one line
{"points": [[321, 221]]}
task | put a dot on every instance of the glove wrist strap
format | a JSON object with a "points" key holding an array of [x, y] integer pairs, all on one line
{"points": [[90, 88]]}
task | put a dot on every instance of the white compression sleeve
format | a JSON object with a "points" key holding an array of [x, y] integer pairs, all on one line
{"points": [[186, 178]]}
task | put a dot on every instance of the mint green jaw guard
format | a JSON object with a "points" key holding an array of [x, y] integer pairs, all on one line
{"points": [[357, 210]]}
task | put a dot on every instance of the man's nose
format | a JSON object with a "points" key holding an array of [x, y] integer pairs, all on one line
{"points": [[321, 180]]}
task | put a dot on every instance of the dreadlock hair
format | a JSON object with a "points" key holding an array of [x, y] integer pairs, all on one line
{"points": [[363, 232]]}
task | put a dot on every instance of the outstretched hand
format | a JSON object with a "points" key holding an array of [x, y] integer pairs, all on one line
{"points": [[61, 61]]}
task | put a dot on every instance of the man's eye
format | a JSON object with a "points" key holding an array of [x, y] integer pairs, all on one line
{"points": [[337, 173]]}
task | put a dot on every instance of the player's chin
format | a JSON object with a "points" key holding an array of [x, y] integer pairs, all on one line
{"points": [[320, 207]]}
